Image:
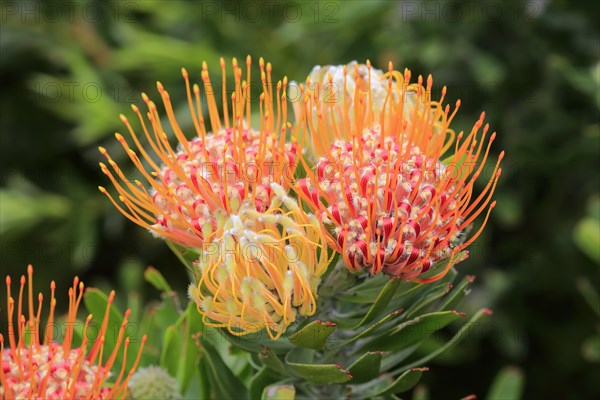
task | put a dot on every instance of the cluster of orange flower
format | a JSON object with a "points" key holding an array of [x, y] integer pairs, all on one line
{"points": [[266, 202], [369, 169], [36, 366]]}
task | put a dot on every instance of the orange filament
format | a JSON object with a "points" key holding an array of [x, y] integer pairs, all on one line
{"points": [[214, 172]]}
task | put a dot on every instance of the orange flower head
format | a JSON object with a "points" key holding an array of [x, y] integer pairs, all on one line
{"points": [[263, 270], [212, 172], [384, 197], [41, 368]]}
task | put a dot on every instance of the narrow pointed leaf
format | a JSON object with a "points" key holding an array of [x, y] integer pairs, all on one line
{"points": [[413, 331], [156, 279], [458, 293], [462, 333], [366, 367], [396, 357], [194, 327], [381, 302], [365, 291], [437, 292], [300, 361], [405, 382], [228, 385], [171, 346], [270, 359], [185, 255], [204, 380], [258, 383], [314, 335], [387, 386], [256, 342], [369, 330]]}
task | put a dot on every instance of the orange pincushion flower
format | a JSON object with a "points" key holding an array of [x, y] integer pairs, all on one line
{"points": [[263, 270], [382, 194], [44, 369], [225, 195], [214, 172]]}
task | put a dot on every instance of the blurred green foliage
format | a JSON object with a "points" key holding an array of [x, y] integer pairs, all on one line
{"points": [[68, 68]]}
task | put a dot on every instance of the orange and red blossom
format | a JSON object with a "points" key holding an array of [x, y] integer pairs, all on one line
{"points": [[263, 270], [379, 188], [328, 82], [213, 172], [39, 368]]}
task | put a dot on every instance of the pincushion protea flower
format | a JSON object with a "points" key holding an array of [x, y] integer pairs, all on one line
{"points": [[263, 271], [226, 190], [383, 196], [43, 369], [212, 172]]}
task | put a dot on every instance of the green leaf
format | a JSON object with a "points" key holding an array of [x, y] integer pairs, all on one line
{"points": [[300, 361], [413, 331], [462, 333], [191, 353], [587, 237], [314, 335], [456, 167], [256, 342], [458, 294], [134, 302], [441, 265], [589, 293], [364, 292], [279, 392], [366, 367], [22, 210], [369, 330], [406, 298], [435, 293], [270, 359], [157, 317], [171, 346], [406, 381], [96, 303], [77, 334], [387, 385], [227, 384], [381, 302], [508, 385], [185, 255], [204, 380], [156, 279], [258, 383], [393, 359]]}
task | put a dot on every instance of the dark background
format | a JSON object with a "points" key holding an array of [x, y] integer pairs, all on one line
{"points": [[67, 69]]}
